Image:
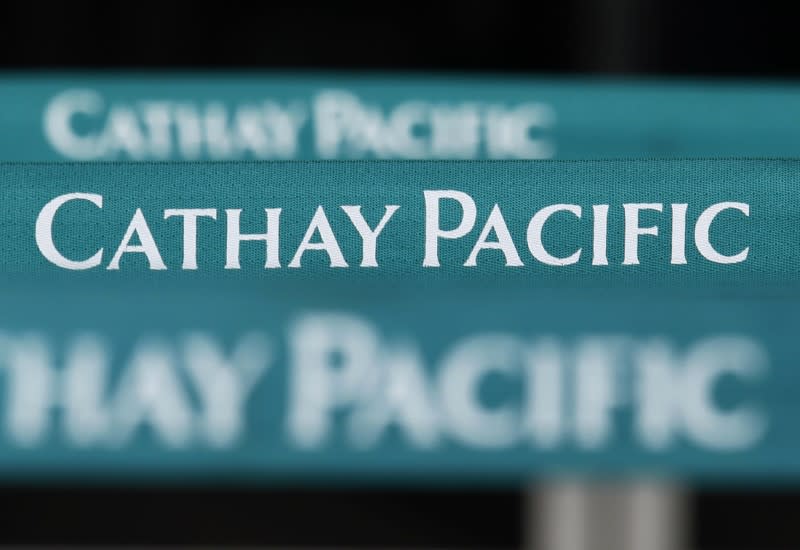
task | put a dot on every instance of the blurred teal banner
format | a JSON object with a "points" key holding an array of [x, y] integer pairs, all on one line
{"points": [[256, 386], [295, 116], [395, 319]]}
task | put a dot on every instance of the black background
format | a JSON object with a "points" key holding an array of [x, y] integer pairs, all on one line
{"points": [[620, 38]]}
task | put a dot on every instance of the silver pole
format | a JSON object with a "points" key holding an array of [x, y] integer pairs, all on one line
{"points": [[590, 515]]}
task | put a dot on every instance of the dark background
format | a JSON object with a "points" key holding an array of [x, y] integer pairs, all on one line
{"points": [[622, 37], [604, 38]]}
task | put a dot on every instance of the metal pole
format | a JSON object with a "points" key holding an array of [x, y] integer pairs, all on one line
{"points": [[631, 515]]}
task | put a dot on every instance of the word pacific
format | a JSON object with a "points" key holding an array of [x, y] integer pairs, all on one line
{"points": [[436, 228]]}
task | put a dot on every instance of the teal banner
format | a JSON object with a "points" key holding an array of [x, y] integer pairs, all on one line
{"points": [[714, 225], [494, 386], [303, 117], [394, 319]]}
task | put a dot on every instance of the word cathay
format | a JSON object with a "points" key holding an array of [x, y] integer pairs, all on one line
{"points": [[449, 220]]}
